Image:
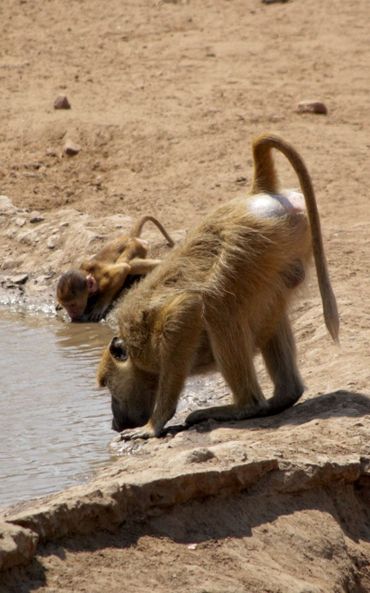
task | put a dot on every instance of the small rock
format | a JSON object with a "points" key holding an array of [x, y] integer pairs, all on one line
{"points": [[10, 233], [36, 217], [97, 183], [71, 149], [62, 102], [20, 221], [199, 456], [312, 107], [52, 242], [10, 263], [18, 279], [192, 546], [51, 152], [28, 237], [274, 118], [36, 165], [6, 204]]}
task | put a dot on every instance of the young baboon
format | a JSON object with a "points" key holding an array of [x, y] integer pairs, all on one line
{"points": [[88, 292], [222, 295]]}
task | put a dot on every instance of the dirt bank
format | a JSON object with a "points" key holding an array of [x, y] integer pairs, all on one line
{"points": [[277, 505], [165, 97]]}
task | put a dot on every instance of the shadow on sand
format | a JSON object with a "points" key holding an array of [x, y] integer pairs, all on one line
{"points": [[336, 404]]}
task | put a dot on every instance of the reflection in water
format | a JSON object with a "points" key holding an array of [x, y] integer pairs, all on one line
{"points": [[54, 423]]}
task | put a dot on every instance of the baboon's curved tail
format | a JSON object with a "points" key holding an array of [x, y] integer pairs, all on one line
{"points": [[265, 180], [136, 231]]}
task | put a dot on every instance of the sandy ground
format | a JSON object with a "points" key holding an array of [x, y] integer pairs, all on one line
{"points": [[165, 98]]}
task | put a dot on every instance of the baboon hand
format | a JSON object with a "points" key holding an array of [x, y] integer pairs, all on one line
{"points": [[97, 314]]}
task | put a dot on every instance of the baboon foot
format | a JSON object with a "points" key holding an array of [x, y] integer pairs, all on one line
{"points": [[223, 413]]}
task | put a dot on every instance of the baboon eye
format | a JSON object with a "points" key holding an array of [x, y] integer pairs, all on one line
{"points": [[117, 349]]}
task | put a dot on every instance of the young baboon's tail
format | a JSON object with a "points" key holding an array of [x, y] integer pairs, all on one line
{"points": [[265, 179], [136, 231]]}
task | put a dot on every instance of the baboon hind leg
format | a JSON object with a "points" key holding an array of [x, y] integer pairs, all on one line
{"points": [[233, 351], [279, 354], [140, 266]]}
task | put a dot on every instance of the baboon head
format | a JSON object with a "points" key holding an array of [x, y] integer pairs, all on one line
{"points": [[132, 389], [72, 293]]}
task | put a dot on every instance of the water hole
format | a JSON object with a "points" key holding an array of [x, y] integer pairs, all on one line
{"points": [[55, 425]]}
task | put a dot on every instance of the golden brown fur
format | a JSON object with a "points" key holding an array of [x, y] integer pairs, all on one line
{"points": [[88, 292], [221, 297]]}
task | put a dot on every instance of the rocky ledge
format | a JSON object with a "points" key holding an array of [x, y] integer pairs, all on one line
{"points": [[322, 444]]}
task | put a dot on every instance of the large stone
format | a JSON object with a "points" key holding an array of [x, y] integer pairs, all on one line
{"points": [[17, 545]]}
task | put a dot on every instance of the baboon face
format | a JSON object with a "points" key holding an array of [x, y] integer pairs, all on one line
{"points": [[76, 308], [73, 293], [132, 389]]}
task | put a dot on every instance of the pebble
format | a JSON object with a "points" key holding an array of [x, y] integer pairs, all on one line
{"points": [[28, 237], [62, 102], [20, 221], [18, 279], [312, 107], [199, 455], [52, 242], [36, 217], [6, 204], [51, 152], [71, 149]]}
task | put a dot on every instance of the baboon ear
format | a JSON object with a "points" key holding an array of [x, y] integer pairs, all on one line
{"points": [[91, 283], [117, 349]]}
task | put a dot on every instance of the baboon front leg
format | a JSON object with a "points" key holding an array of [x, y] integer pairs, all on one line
{"points": [[232, 347], [171, 383], [181, 335], [279, 354]]}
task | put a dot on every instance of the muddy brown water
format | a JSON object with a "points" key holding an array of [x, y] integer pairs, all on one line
{"points": [[55, 425]]}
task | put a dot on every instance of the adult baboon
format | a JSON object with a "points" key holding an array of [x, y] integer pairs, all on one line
{"points": [[222, 295]]}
